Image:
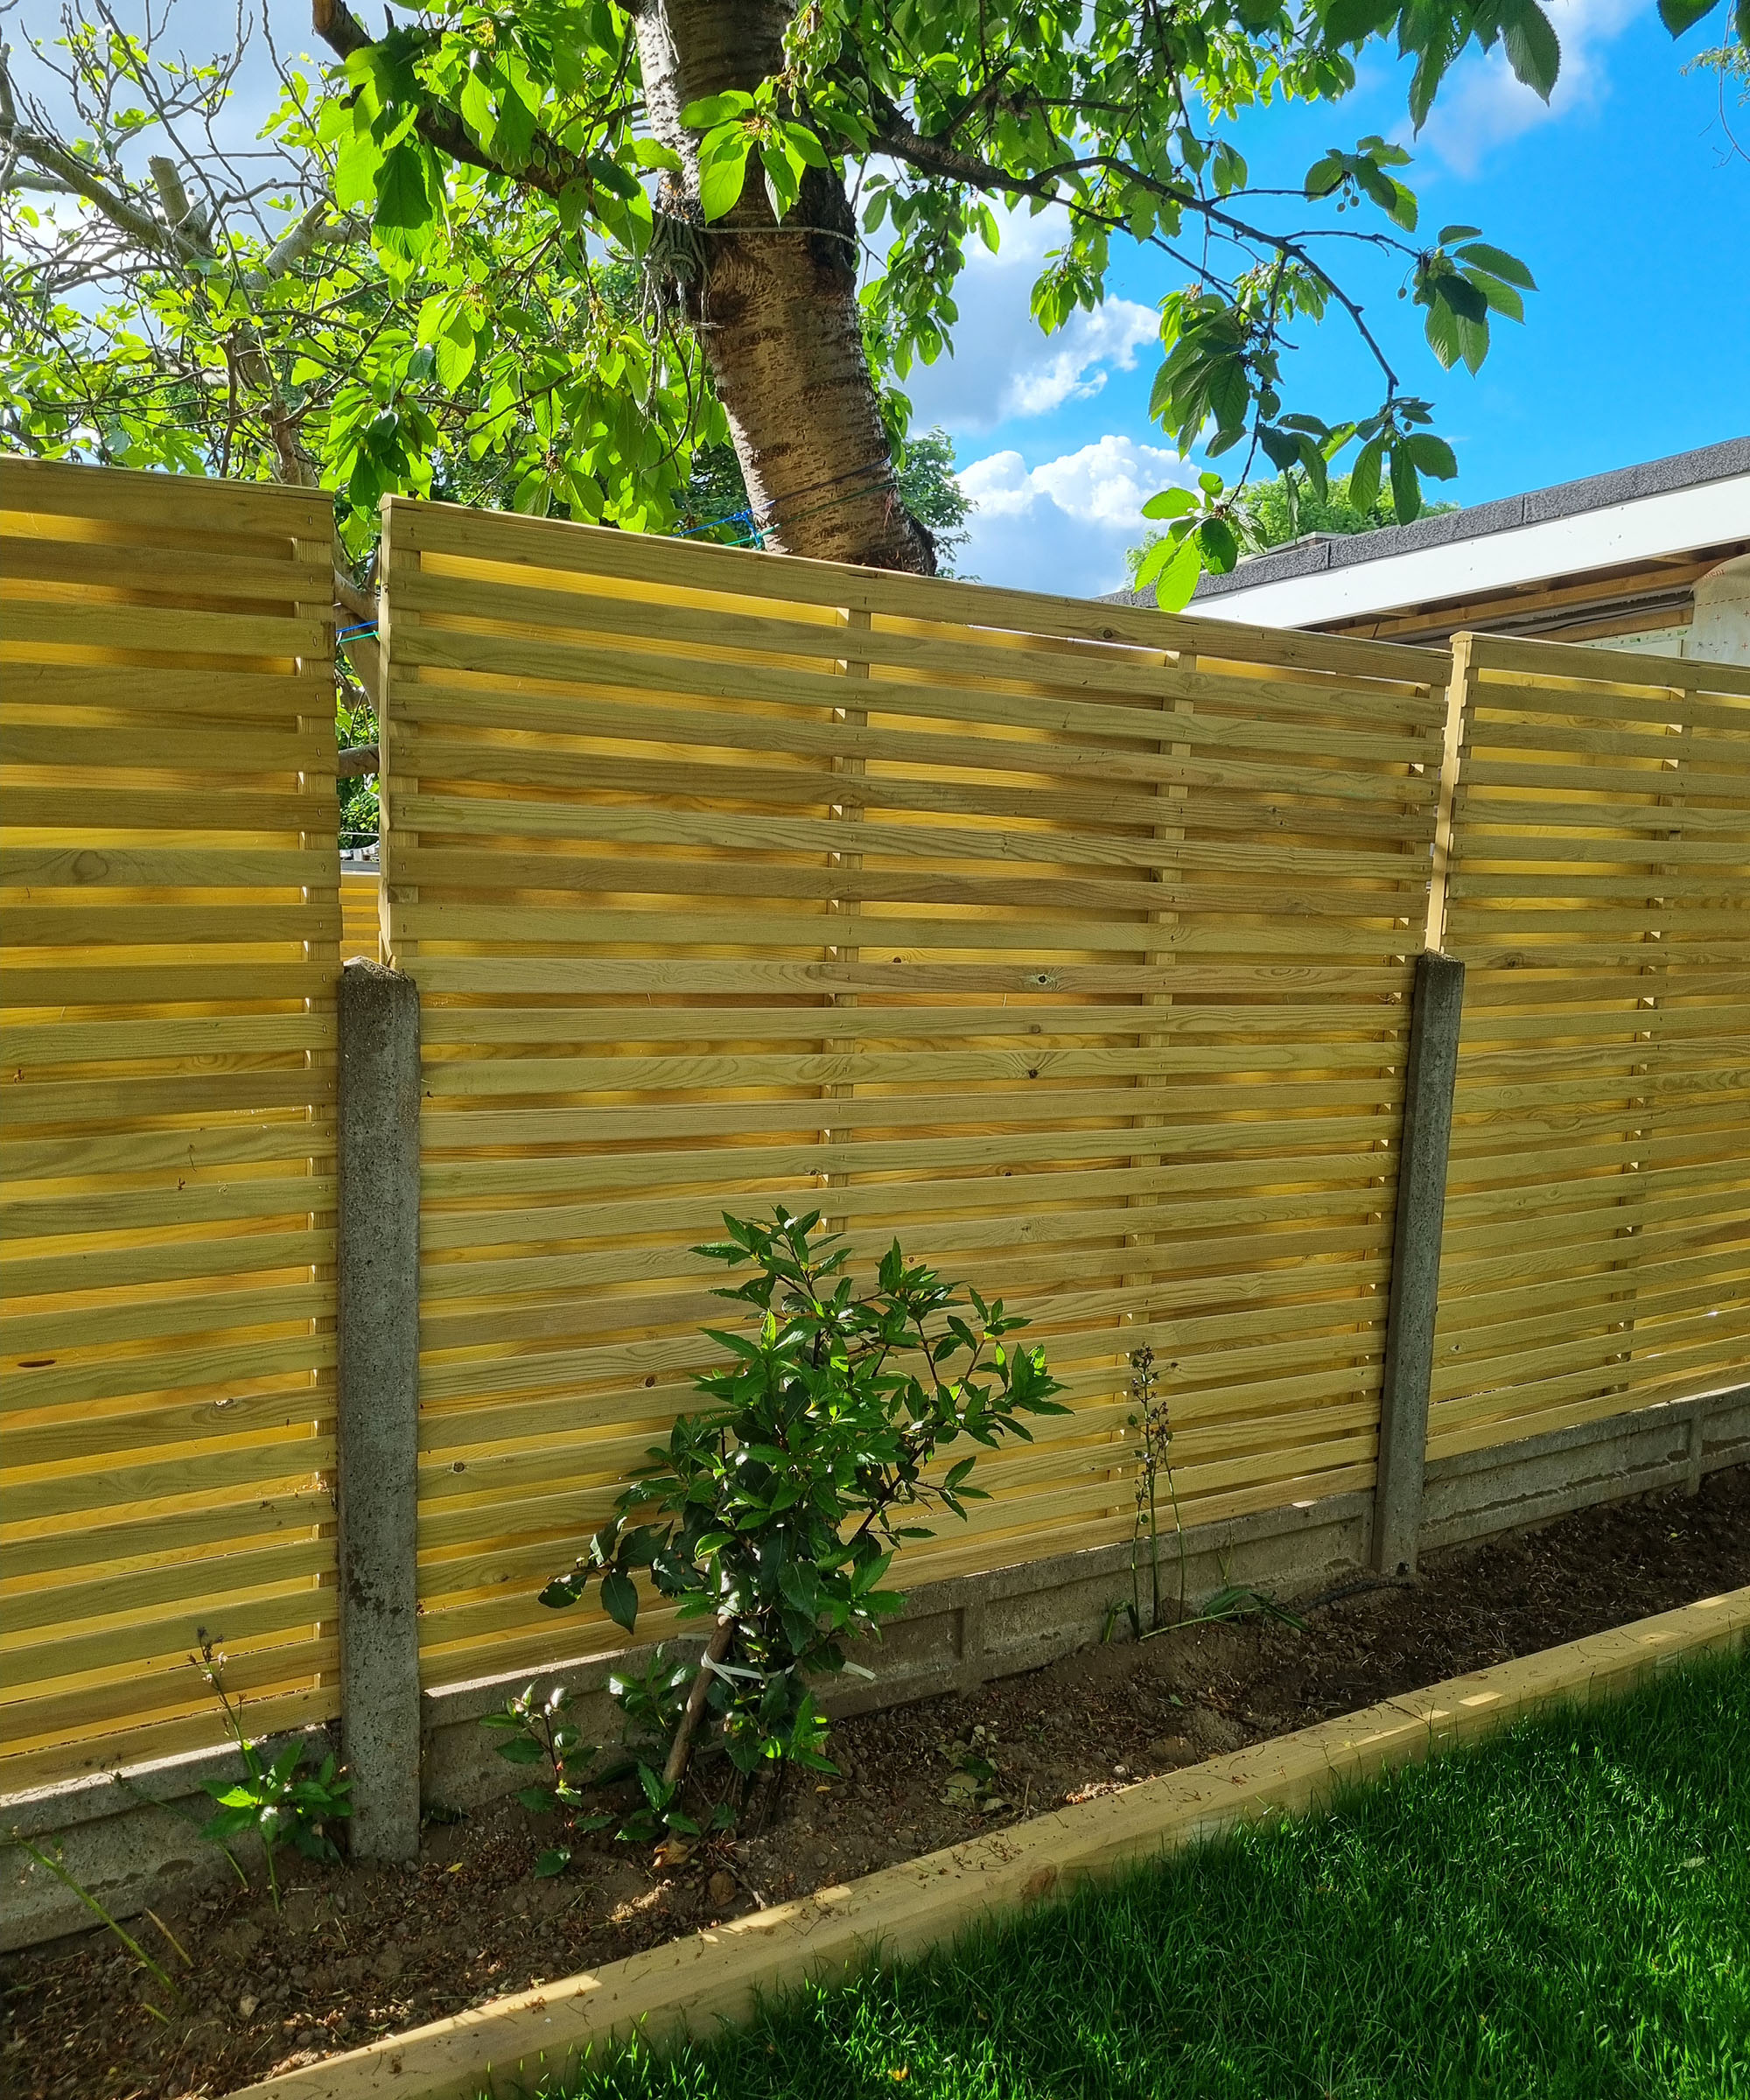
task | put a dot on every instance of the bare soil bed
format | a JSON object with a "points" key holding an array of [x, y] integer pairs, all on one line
{"points": [[358, 1952]]}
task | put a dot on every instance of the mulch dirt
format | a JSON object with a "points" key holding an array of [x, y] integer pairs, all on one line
{"points": [[358, 1952]]}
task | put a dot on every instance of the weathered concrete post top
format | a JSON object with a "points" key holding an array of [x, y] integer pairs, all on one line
{"points": [[378, 1345], [1429, 1080]]}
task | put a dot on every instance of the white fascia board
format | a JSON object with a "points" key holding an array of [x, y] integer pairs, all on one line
{"points": [[1593, 539]]}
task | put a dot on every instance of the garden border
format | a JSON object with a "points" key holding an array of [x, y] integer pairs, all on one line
{"points": [[133, 1843], [513, 2042]]}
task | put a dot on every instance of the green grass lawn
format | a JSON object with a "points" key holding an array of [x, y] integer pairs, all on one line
{"points": [[1566, 1911]]}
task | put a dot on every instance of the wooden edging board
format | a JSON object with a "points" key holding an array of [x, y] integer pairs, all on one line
{"points": [[513, 2044]]}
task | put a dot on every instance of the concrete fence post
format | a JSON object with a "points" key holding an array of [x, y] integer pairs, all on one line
{"points": [[1429, 1082], [378, 1405]]}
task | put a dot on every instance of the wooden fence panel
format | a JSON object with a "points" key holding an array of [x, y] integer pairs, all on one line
{"points": [[1597, 1249], [1070, 941], [361, 909], [170, 922]]}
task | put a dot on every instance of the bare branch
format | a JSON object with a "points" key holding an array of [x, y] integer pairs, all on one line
{"points": [[936, 157], [24, 179], [168, 182], [129, 218]]}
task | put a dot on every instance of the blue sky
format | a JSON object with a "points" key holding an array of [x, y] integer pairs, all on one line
{"points": [[1622, 197]]}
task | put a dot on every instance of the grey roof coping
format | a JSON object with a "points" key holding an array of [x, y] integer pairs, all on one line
{"points": [[1321, 551]]}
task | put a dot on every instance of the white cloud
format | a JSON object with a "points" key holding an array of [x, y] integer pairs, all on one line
{"points": [[1004, 365], [1084, 350], [1483, 106], [1063, 525]]}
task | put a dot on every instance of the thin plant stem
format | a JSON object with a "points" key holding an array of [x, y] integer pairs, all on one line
{"points": [[186, 1961], [252, 1763], [1154, 1547], [1179, 1528], [67, 1880], [269, 1832], [1157, 1444]]}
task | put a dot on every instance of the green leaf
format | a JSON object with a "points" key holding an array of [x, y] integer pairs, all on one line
{"points": [[404, 198], [1324, 175], [1377, 186], [1364, 475], [1449, 234], [1155, 557], [1169, 503], [1496, 261], [1221, 547], [613, 177], [1442, 331], [1406, 490], [804, 146], [1464, 299], [781, 187], [1179, 576], [620, 1598], [1502, 298], [356, 162], [717, 109], [1680, 14], [1230, 170], [1432, 455], [455, 360], [721, 184], [1533, 49], [554, 1861], [229, 1823], [1351, 21]]}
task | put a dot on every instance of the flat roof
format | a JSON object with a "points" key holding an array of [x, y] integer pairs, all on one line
{"points": [[1714, 513]]}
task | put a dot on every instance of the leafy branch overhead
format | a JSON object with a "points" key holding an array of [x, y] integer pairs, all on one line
{"points": [[541, 254]]}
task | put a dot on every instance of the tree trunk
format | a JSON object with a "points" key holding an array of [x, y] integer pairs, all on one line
{"points": [[776, 309]]}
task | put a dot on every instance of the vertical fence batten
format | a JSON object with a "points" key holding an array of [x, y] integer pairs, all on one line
{"points": [[1427, 1125], [378, 1431]]}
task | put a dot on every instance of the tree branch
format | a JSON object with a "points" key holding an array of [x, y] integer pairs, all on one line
{"points": [[360, 603], [937, 156], [716, 1648], [549, 166], [140, 225]]}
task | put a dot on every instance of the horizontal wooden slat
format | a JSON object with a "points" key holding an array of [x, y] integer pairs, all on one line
{"points": [[168, 735], [1079, 958], [1598, 1214]]}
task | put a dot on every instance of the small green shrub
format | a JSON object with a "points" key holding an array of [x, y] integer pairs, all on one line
{"points": [[280, 1801], [772, 1518]]}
